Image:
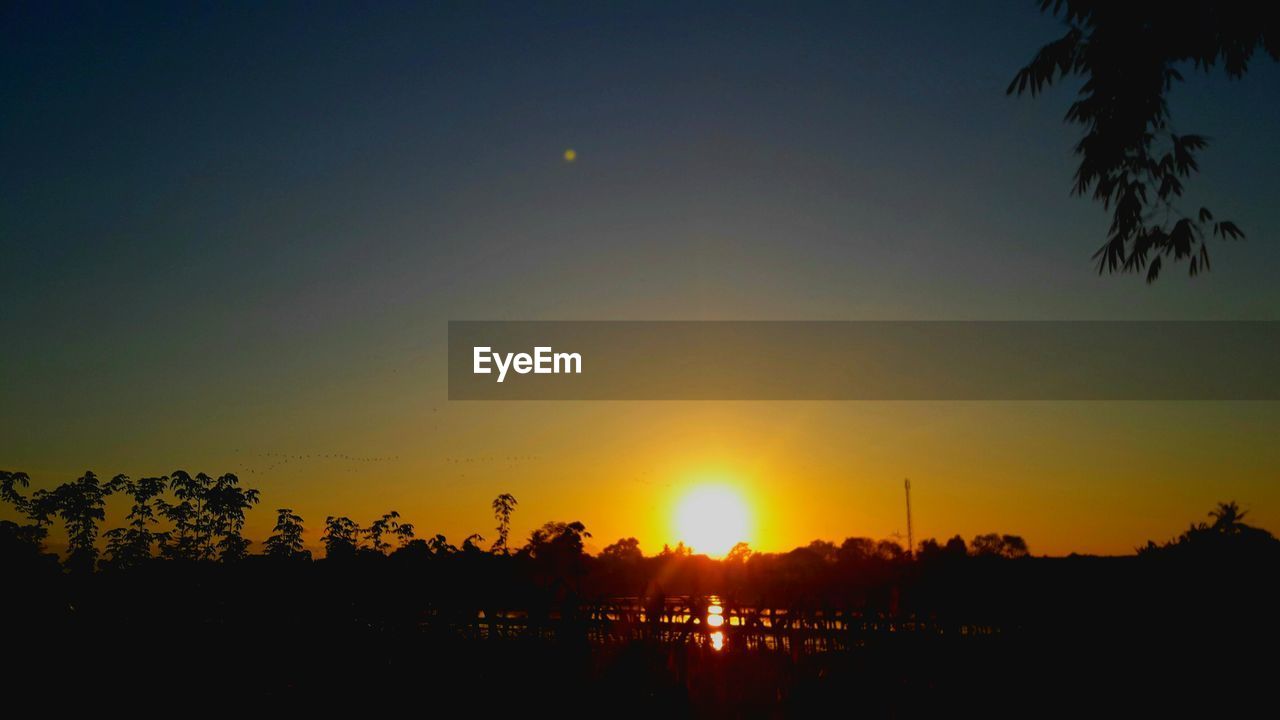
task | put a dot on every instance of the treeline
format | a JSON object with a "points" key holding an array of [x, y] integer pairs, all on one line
{"points": [[185, 517], [386, 613], [205, 517]]}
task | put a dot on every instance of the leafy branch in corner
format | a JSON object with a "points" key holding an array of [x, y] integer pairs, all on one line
{"points": [[1131, 159]]}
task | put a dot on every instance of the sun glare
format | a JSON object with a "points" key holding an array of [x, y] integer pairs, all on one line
{"points": [[712, 519]]}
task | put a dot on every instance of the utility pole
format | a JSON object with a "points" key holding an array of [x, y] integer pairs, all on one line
{"points": [[911, 538]]}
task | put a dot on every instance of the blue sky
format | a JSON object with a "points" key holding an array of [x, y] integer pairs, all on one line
{"points": [[211, 212]]}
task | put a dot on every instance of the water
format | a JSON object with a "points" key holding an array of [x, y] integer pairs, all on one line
{"points": [[708, 621]]}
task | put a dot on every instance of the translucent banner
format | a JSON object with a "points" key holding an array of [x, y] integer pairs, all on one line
{"points": [[733, 360]]}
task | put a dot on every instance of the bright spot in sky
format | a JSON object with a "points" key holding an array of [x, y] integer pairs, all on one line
{"points": [[712, 519], [570, 155]]}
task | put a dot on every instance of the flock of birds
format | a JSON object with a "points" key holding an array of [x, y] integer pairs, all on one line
{"points": [[278, 460], [492, 458]]}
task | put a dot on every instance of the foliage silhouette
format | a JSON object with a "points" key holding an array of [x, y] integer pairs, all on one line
{"points": [[955, 547], [404, 533], [131, 546], [1229, 518], [996, 545], [439, 545], [678, 551], [227, 503], [556, 538], [739, 553], [1131, 158], [387, 524], [471, 544], [625, 550], [416, 620], [341, 537], [207, 517], [503, 506], [285, 542], [188, 516], [31, 536], [1227, 535], [8, 489], [80, 504]]}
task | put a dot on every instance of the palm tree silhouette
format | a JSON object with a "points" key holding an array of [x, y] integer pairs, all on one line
{"points": [[1228, 518]]}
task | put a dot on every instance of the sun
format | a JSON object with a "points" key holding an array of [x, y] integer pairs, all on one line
{"points": [[712, 519]]}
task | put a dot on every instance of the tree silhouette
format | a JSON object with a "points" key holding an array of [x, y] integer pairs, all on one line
{"points": [[130, 546], [439, 545], [340, 538], [1228, 525], [625, 550], [1228, 536], [890, 550], [285, 542], [80, 504], [678, 551], [32, 535], [739, 553], [188, 516], [987, 545], [471, 544], [1015, 546], [382, 526], [996, 545], [226, 502], [857, 548], [8, 491], [1131, 159], [503, 506], [1228, 518], [557, 538], [404, 533]]}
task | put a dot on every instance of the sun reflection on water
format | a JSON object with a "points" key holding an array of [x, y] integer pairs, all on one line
{"points": [[715, 619], [717, 640]]}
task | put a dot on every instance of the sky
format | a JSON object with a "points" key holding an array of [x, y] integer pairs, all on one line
{"points": [[233, 232]]}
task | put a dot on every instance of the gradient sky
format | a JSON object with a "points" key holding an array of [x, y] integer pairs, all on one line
{"points": [[238, 229]]}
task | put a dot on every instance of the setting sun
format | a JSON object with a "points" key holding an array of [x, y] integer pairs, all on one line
{"points": [[711, 519]]}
